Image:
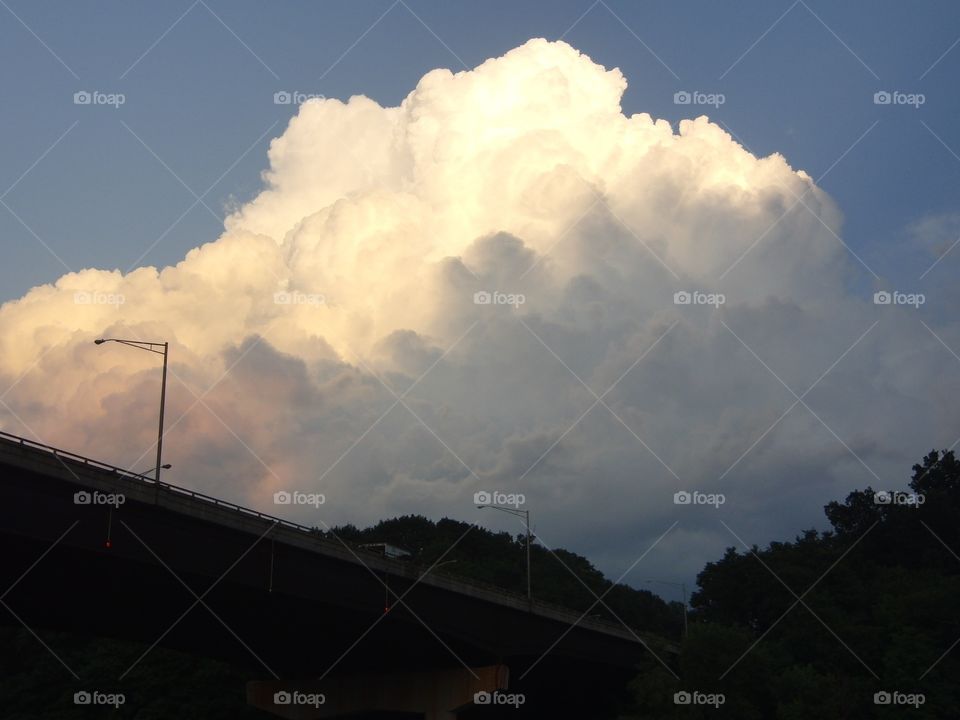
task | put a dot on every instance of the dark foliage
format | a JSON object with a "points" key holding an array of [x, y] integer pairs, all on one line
{"points": [[815, 627]]}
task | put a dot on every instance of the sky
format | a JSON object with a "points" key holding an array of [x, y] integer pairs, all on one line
{"points": [[314, 262]]}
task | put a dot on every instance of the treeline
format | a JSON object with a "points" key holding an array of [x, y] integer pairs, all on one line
{"points": [[170, 684], [557, 576], [860, 621]]}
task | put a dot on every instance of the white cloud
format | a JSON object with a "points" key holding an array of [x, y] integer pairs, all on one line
{"points": [[521, 176]]}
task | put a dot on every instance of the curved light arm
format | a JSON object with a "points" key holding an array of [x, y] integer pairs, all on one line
{"points": [[148, 346], [512, 511]]}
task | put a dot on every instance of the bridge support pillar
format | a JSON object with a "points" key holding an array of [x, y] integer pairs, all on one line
{"points": [[436, 694]]}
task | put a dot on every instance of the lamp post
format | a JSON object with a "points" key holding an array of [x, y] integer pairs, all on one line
{"points": [[154, 348], [683, 590], [525, 514]]}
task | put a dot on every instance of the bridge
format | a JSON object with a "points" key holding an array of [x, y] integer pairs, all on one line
{"points": [[327, 628]]}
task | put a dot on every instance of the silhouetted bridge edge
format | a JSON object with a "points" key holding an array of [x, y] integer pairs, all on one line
{"points": [[621, 647]]}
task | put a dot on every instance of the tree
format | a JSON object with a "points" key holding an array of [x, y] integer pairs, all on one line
{"points": [[877, 612]]}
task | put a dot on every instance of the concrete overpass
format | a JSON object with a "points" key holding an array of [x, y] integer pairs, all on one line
{"points": [[305, 613]]}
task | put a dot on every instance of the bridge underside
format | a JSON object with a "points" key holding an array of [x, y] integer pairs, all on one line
{"points": [[270, 634], [287, 615]]}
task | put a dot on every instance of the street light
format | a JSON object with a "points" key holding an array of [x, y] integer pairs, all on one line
{"points": [[154, 348], [683, 589], [165, 466], [525, 514]]}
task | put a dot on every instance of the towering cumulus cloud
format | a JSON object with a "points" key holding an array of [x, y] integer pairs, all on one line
{"points": [[428, 300]]}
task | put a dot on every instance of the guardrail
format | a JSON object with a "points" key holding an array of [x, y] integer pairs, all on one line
{"points": [[315, 533], [129, 474]]}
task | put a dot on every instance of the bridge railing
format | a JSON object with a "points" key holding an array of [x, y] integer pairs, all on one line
{"points": [[129, 474], [70, 455], [311, 531]]}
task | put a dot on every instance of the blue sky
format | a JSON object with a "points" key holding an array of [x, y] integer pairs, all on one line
{"points": [[199, 79], [142, 183]]}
